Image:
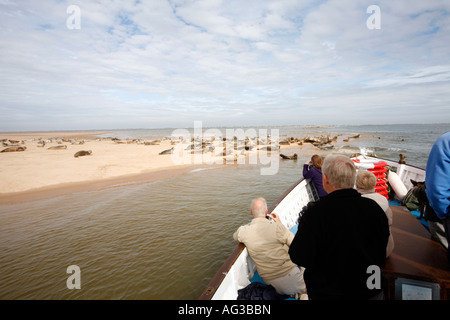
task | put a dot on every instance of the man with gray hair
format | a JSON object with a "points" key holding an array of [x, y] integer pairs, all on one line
{"points": [[340, 237], [365, 184], [268, 243]]}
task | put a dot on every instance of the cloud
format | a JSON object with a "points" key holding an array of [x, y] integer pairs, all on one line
{"points": [[168, 63]]}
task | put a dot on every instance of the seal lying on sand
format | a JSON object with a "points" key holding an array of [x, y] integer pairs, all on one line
{"points": [[294, 157], [270, 148], [82, 153], [169, 151], [14, 149], [57, 147]]}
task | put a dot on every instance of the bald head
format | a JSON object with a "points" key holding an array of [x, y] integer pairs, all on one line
{"points": [[259, 208]]}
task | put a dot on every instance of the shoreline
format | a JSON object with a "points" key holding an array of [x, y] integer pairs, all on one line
{"points": [[41, 171], [62, 189], [25, 135]]}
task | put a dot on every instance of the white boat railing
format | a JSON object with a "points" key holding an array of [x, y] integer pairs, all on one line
{"points": [[289, 207]]}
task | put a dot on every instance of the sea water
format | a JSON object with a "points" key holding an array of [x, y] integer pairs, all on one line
{"points": [[163, 239]]}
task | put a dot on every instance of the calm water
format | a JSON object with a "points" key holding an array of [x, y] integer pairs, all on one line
{"points": [[164, 239]]}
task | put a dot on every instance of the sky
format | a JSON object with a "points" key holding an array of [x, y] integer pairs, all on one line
{"points": [[88, 65]]}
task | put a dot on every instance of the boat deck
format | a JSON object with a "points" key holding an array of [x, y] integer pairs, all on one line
{"points": [[415, 256]]}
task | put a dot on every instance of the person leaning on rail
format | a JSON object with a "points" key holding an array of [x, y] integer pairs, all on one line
{"points": [[268, 243], [313, 170]]}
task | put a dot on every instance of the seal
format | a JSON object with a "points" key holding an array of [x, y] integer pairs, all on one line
{"points": [[14, 149], [168, 151], [82, 153], [270, 148], [151, 143], [285, 157], [57, 147]]}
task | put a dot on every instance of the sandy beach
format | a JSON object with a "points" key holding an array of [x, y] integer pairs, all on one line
{"points": [[44, 171]]}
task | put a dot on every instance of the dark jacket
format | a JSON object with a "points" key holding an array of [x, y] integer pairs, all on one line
{"points": [[316, 176], [338, 238], [259, 291]]}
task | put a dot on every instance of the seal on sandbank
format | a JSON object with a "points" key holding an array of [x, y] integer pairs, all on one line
{"points": [[168, 151], [14, 149], [82, 153], [57, 147], [293, 157]]}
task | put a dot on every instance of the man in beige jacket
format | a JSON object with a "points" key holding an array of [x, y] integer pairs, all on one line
{"points": [[268, 244]]}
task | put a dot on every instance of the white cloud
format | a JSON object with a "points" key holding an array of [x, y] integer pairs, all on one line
{"points": [[168, 63]]}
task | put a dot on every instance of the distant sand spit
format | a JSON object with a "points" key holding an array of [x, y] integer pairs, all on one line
{"points": [[40, 172]]}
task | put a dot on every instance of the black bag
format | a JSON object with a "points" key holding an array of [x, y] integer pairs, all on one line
{"points": [[259, 291]]}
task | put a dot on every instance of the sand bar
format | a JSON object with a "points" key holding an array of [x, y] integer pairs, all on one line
{"points": [[40, 172]]}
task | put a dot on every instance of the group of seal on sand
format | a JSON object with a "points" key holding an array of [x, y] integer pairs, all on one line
{"points": [[76, 155], [13, 147], [80, 153], [247, 144], [352, 137]]}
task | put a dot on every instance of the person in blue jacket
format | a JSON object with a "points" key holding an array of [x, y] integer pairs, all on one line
{"points": [[437, 181]]}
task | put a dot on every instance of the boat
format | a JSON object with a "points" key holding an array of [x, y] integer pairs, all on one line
{"points": [[416, 269]]}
